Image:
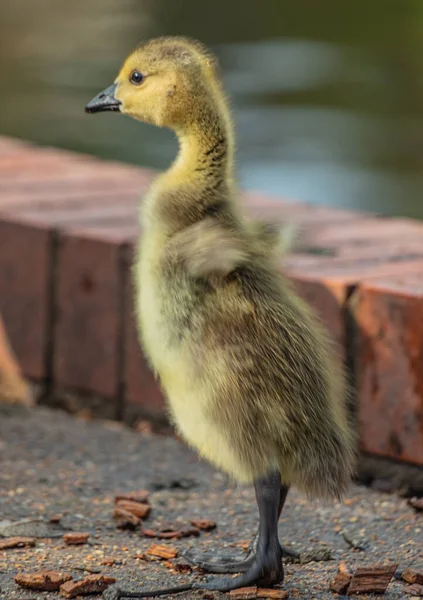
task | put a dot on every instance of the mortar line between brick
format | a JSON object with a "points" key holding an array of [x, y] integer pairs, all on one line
{"points": [[52, 286], [350, 351], [121, 337]]}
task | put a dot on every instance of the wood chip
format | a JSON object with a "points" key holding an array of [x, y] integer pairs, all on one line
{"points": [[414, 590], [244, 544], [373, 579], [136, 508], [140, 496], [76, 538], [272, 593], [412, 576], [17, 542], [203, 524], [189, 531], [164, 535], [245, 593], [341, 582], [109, 561], [168, 535], [125, 519], [92, 584], [55, 518], [43, 581], [416, 503], [165, 552], [152, 533], [171, 531], [343, 568]]}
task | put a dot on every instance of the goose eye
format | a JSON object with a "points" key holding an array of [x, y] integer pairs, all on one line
{"points": [[136, 78]]}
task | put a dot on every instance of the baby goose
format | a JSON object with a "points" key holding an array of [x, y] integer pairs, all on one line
{"points": [[247, 371]]}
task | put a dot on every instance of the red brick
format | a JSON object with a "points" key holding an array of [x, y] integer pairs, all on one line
{"points": [[388, 316], [326, 282], [89, 298], [142, 393], [25, 253]]}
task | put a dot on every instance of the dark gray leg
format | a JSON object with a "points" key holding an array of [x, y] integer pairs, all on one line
{"points": [[265, 567], [235, 562]]}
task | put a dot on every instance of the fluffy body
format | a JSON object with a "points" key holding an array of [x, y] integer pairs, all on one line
{"points": [[251, 380]]}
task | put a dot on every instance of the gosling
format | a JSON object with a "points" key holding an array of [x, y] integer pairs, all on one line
{"points": [[248, 372]]}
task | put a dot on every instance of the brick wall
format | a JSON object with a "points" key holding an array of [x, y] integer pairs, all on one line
{"points": [[67, 229]]}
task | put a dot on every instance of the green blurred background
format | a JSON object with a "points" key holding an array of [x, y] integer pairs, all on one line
{"points": [[327, 94]]}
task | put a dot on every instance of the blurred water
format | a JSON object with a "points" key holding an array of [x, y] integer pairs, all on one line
{"points": [[327, 96]]}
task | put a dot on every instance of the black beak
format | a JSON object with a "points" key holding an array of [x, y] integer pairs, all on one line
{"points": [[105, 100]]}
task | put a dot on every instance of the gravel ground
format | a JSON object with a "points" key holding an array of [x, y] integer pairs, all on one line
{"points": [[52, 463]]}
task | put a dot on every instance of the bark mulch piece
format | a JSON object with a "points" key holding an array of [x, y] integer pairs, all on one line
{"points": [[110, 561], [203, 524], [140, 496], [163, 535], [136, 508], [245, 593], [76, 538], [412, 576], [43, 581], [125, 519], [272, 593], [168, 531], [165, 552], [373, 579], [92, 584], [250, 593], [17, 542], [342, 580], [55, 519]]}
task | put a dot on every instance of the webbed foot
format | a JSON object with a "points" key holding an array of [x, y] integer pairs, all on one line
{"points": [[265, 569], [220, 563], [230, 562]]}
